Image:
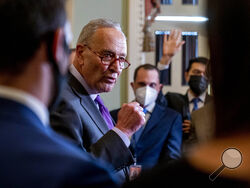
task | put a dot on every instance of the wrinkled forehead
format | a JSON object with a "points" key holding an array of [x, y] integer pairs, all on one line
{"points": [[109, 39]]}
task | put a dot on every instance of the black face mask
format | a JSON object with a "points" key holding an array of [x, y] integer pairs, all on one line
{"points": [[198, 84], [59, 78]]}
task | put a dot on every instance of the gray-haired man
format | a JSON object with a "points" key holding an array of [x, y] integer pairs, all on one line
{"points": [[99, 60]]}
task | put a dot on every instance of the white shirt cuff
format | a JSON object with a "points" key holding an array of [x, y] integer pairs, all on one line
{"points": [[162, 66], [123, 136]]}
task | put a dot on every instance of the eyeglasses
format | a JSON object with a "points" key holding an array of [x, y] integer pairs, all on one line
{"points": [[108, 59]]}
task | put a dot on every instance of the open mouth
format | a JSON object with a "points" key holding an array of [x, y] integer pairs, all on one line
{"points": [[110, 80]]}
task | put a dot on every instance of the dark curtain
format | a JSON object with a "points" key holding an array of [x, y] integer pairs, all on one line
{"points": [[189, 50], [190, 2], [165, 77]]}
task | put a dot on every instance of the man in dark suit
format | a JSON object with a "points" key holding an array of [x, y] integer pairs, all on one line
{"points": [[194, 99], [34, 56], [81, 116], [160, 138], [203, 122]]}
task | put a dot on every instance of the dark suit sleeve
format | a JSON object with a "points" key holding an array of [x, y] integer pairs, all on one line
{"points": [[173, 146], [110, 147], [104, 148], [176, 102]]}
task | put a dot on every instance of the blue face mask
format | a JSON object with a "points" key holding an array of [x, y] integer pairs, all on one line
{"points": [[198, 84]]}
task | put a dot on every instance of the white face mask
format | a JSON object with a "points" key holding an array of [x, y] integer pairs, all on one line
{"points": [[145, 95]]}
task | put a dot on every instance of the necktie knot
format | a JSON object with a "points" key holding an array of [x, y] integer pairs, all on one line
{"points": [[104, 111], [98, 100], [195, 101]]}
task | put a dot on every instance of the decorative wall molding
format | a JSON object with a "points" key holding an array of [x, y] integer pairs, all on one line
{"points": [[135, 39]]}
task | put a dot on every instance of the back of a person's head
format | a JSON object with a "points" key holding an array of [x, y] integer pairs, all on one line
{"points": [[89, 29], [24, 25], [229, 41]]}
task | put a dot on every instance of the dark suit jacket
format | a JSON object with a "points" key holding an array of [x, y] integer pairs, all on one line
{"points": [[33, 155], [180, 103], [160, 139], [203, 122], [78, 118]]}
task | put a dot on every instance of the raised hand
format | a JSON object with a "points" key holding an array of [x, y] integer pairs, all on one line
{"points": [[171, 45]]}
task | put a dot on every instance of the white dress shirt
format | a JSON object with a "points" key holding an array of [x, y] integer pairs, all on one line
{"points": [[162, 66], [28, 100], [200, 103], [149, 109]]}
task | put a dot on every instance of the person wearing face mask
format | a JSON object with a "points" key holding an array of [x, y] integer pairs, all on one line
{"points": [[160, 137], [195, 98]]}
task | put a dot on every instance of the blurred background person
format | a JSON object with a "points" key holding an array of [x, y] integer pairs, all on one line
{"points": [[34, 61], [160, 137], [230, 68], [195, 97]]}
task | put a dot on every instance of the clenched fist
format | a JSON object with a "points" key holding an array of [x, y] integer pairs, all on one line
{"points": [[130, 118]]}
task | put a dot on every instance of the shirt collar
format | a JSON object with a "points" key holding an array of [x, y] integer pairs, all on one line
{"points": [[80, 78], [28, 100], [191, 96], [150, 107]]}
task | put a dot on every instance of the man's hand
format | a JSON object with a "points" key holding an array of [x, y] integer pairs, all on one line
{"points": [[171, 46], [186, 126], [130, 118]]}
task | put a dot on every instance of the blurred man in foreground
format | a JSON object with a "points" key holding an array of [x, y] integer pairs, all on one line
{"points": [[34, 61]]}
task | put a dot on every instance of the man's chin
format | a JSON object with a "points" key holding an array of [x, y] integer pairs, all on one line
{"points": [[107, 88]]}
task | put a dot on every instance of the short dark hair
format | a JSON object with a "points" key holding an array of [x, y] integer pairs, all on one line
{"points": [[24, 25], [202, 60], [146, 67]]}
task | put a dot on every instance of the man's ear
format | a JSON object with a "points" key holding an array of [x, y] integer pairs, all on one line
{"points": [[160, 87], [132, 85], [60, 51], [78, 54], [186, 76]]}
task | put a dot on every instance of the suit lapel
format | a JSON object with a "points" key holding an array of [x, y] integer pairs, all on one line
{"points": [[208, 98], [88, 104], [155, 117]]}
